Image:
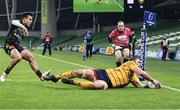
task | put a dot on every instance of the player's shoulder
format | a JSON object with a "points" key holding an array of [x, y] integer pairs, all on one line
{"points": [[114, 31], [130, 63], [16, 28], [16, 20], [127, 29]]}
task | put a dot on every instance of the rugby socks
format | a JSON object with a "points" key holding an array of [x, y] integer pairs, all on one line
{"points": [[11, 66], [118, 64], [67, 74], [84, 84], [38, 73], [7, 71], [67, 81]]}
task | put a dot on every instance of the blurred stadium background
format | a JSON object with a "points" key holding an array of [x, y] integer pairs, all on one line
{"points": [[68, 29]]}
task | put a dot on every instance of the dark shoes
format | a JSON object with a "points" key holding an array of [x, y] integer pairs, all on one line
{"points": [[67, 81]]}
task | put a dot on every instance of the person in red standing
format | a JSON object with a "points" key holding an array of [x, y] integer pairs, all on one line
{"points": [[47, 43], [119, 39]]}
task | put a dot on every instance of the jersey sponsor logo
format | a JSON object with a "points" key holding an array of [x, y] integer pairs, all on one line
{"points": [[47, 39], [122, 38], [18, 36]]}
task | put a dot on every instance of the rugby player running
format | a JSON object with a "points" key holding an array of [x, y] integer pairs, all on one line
{"points": [[17, 32], [119, 39]]}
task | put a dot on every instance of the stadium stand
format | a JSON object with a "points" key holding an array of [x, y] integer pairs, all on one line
{"points": [[173, 37], [67, 19], [153, 39]]}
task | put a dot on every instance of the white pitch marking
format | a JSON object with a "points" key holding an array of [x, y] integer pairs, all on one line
{"points": [[174, 89], [64, 61]]}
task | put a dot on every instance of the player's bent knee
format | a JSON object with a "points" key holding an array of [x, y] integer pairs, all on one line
{"points": [[77, 74], [30, 55], [100, 84], [18, 58], [31, 58], [26, 53]]}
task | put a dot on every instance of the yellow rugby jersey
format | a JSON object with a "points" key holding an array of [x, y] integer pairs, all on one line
{"points": [[123, 75]]}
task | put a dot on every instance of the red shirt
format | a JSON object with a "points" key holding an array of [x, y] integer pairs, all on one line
{"points": [[121, 38], [47, 38]]}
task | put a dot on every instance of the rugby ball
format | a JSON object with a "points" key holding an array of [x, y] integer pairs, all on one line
{"points": [[151, 85]]}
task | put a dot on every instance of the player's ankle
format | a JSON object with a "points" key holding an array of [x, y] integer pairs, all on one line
{"points": [[38, 73]]}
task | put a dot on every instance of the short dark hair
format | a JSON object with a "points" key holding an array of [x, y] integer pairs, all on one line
{"points": [[135, 57], [26, 14]]}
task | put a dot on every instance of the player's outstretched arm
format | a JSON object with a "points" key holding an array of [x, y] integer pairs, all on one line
{"points": [[138, 84], [146, 76]]}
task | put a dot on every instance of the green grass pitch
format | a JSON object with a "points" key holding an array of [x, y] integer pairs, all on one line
{"points": [[23, 90], [94, 6]]}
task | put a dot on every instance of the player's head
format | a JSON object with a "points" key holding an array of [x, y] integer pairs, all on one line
{"points": [[120, 26], [27, 19], [137, 60], [88, 33]]}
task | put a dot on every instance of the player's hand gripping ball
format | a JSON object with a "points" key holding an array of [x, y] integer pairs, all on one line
{"points": [[153, 86]]}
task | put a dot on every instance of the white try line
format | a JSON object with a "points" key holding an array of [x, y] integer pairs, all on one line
{"points": [[170, 88], [64, 61], [174, 89]]}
